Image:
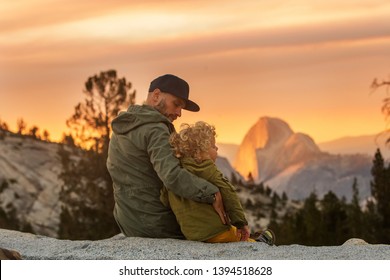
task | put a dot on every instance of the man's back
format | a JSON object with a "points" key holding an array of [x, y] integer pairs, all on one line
{"points": [[137, 186]]}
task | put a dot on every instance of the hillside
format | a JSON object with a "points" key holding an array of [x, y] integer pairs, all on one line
{"points": [[29, 183]]}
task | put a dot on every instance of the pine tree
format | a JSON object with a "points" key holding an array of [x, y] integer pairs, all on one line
{"points": [[46, 136], [3, 129], [372, 223], [355, 213], [311, 222], [284, 197], [380, 190], [274, 200], [21, 126], [334, 218], [33, 132], [105, 95], [86, 195], [3, 125], [250, 180]]}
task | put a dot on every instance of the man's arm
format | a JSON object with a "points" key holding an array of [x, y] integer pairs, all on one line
{"points": [[167, 166], [230, 198]]}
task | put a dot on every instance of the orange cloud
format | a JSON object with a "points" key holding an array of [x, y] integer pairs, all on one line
{"points": [[309, 63]]}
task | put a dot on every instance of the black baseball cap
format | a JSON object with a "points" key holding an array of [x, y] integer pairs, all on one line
{"points": [[176, 86]]}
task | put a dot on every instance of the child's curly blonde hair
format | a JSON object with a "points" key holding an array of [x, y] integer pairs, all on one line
{"points": [[193, 140]]}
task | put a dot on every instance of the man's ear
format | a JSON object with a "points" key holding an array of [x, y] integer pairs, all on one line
{"points": [[156, 96]]}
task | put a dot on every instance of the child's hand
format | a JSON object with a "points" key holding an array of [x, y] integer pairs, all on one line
{"points": [[219, 208], [243, 233]]}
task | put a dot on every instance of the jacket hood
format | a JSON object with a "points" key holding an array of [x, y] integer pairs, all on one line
{"points": [[137, 115]]}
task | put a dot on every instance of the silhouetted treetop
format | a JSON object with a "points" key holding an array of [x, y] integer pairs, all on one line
{"points": [[105, 95]]}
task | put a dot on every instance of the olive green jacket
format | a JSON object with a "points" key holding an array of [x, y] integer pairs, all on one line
{"points": [[199, 221], [140, 162]]}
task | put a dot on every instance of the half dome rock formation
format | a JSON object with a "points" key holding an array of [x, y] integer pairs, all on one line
{"points": [[291, 162], [270, 146]]}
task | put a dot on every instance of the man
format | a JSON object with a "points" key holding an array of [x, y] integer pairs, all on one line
{"points": [[141, 161]]}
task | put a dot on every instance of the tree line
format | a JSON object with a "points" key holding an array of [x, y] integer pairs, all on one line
{"points": [[22, 129], [332, 221]]}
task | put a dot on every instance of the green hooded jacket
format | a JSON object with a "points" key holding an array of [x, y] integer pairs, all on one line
{"points": [[140, 162], [199, 221]]}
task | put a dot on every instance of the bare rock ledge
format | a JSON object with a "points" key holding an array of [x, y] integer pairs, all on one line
{"points": [[119, 247]]}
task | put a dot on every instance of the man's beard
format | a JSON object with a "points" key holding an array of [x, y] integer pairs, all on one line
{"points": [[162, 108]]}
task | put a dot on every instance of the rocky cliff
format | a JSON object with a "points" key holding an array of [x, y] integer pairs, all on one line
{"points": [[29, 184]]}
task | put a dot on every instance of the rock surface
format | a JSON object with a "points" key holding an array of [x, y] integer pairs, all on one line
{"points": [[35, 247]]}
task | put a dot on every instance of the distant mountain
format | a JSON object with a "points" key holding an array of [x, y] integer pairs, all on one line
{"points": [[270, 146], [366, 144], [291, 162]]}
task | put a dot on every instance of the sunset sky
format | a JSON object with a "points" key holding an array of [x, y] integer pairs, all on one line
{"points": [[308, 62]]}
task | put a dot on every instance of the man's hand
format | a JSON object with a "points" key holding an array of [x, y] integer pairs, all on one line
{"points": [[219, 208], [243, 233]]}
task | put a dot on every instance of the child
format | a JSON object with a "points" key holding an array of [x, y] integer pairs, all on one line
{"points": [[195, 146]]}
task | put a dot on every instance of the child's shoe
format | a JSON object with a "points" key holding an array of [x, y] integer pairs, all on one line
{"points": [[266, 236]]}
